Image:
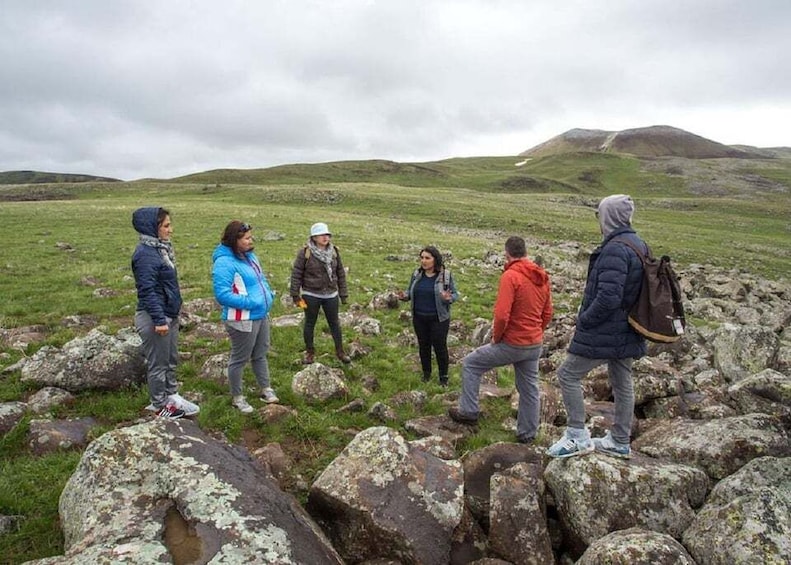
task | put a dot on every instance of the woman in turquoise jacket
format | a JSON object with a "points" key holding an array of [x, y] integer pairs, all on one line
{"points": [[242, 290]]}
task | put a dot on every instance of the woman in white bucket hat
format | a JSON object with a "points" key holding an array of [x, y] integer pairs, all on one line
{"points": [[318, 282]]}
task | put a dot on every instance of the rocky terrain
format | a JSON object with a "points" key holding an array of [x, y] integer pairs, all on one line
{"points": [[709, 482]]}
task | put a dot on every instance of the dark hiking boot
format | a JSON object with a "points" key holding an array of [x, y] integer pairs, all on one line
{"points": [[343, 357], [308, 358], [462, 417]]}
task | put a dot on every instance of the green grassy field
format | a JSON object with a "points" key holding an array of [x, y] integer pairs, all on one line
{"points": [[72, 235]]}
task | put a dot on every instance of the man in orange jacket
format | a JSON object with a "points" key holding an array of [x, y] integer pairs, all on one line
{"points": [[521, 313]]}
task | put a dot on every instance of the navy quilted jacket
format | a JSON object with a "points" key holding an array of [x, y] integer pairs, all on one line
{"points": [[615, 274], [157, 282]]}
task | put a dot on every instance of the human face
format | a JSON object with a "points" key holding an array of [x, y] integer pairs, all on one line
{"points": [[165, 229], [246, 242], [322, 240], [427, 261]]}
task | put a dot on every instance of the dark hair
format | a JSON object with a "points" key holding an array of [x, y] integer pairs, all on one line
{"points": [[162, 213], [515, 247], [233, 233], [434, 252]]}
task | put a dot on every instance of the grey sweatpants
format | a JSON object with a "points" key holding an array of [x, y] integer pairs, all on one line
{"points": [[162, 356], [525, 362], [249, 346], [619, 371]]}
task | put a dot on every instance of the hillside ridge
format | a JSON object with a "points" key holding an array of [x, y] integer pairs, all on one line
{"points": [[651, 141]]}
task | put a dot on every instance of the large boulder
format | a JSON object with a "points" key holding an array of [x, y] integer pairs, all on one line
{"points": [[740, 351], [164, 491], [721, 446], [598, 494], [518, 516], [636, 546], [747, 517], [383, 498], [95, 361]]}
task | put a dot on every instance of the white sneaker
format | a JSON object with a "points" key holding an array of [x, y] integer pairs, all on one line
{"points": [[268, 395], [241, 403], [568, 446], [190, 408]]}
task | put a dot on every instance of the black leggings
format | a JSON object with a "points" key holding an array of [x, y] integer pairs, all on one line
{"points": [[330, 306], [430, 333]]}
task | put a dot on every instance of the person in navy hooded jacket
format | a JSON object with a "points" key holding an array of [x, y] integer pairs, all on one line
{"points": [[603, 334], [242, 290], [158, 307]]}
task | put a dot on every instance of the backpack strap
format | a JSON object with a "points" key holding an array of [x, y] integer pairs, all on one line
{"points": [[642, 256]]}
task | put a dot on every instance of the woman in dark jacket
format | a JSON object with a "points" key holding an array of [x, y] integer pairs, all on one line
{"points": [[318, 281], [158, 307], [431, 290]]}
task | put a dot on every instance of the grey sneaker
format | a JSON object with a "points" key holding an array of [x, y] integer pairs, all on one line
{"points": [[241, 403], [190, 408], [268, 395], [608, 446], [570, 447]]}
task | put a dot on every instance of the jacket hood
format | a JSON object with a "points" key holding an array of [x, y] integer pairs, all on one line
{"points": [[615, 212], [144, 220], [530, 270], [222, 250]]}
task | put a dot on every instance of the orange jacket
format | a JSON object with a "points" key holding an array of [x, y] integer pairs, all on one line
{"points": [[524, 304]]}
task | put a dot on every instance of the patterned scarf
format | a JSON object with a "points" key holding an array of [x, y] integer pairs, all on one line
{"points": [[165, 249], [323, 255]]}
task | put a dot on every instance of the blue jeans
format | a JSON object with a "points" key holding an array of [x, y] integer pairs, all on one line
{"points": [[525, 362], [619, 371], [162, 357], [249, 346]]}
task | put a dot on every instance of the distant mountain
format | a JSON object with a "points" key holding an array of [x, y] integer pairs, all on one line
{"points": [[653, 141], [37, 177]]}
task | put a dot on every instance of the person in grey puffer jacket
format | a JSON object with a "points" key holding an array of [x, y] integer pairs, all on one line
{"points": [[603, 334]]}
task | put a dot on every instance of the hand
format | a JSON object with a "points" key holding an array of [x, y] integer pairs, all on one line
{"points": [[401, 295], [446, 295], [162, 330], [343, 299]]}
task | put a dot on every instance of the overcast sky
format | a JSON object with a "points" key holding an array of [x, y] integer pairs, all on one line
{"points": [[162, 88]]}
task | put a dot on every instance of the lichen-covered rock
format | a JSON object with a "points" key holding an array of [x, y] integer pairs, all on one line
{"points": [[10, 415], [747, 517], [598, 494], [47, 398], [740, 351], [481, 464], [318, 383], [721, 446], [636, 546], [518, 516], [95, 361], [47, 436], [384, 498], [113, 508]]}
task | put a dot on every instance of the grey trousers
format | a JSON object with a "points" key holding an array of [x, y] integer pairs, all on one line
{"points": [[249, 346], [525, 362], [162, 356], [570, 375]]}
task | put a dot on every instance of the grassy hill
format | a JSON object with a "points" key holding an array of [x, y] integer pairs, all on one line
{"points": [[37, 177]]}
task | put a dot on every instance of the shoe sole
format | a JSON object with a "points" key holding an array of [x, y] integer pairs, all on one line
{"points": [[614, 454], [573, 453]]}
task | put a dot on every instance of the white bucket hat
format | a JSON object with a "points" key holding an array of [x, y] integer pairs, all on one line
{"points": [[319, 228]]}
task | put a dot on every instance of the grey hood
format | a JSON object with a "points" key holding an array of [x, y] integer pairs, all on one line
{"points": [[614, 212]]}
